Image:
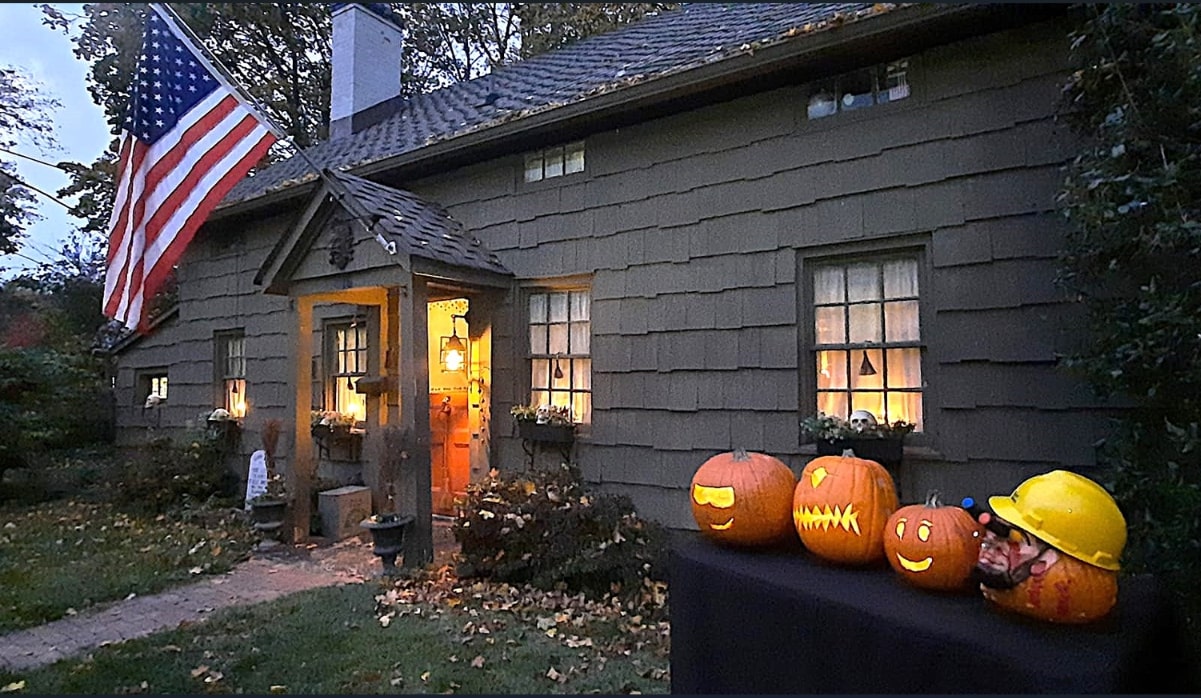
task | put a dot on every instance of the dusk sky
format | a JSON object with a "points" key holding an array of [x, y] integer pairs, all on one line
{"points": [[45, 55]]}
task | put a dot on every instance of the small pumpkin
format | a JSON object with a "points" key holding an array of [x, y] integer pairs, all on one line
{"points": [[840, 506], [1066, 591], [743, 498], [933, 546]]}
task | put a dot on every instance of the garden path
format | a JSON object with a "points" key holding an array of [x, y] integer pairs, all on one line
{"points": [[267, 575]]}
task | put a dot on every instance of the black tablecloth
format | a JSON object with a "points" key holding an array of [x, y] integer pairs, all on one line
{"points": [[784, 621]]}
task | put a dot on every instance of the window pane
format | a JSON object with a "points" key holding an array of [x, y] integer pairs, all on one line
{"points": [[579, 305], [896, 82], [558, 339], [575, 158], [828, 285], [863, 282], [831, 369], [865, 323], [905, 407], [904, 368], [859, 379], [560, 398], [830, 324], [235, 397], [579, 338], [901, 321], [539, 397], [538, 307], [533, 167], [540, 373], [833, 404], [581, 374], [538, 339], [558, 307], [581, 407], [900, 278], [554, 162], [857, 89], [872, 402], [563, 367]]}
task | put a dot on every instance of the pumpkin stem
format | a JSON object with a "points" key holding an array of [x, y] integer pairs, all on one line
{"points": [[932, 499], [740, 454]]}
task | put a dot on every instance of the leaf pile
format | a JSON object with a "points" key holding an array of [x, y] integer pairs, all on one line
{"points": [[597, 630]]}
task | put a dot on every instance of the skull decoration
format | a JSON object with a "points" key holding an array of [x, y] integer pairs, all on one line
{"points": [[862, 420], [542, 416]]}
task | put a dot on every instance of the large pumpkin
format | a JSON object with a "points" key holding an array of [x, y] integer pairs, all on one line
{"points": [[743, 498], [932, 546], [840, 506], [1067, 591]]}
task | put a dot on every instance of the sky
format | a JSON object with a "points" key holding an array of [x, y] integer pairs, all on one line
{"points": [[45, 55]]}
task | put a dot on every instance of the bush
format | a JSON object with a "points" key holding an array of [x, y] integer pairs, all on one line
{"points": [[544, 528], [160, 476]]}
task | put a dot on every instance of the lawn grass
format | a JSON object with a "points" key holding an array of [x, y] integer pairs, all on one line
{"points": [[331, 640], [63, 556]]}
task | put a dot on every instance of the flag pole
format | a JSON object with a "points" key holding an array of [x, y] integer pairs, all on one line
{"points": [[336, 188]]}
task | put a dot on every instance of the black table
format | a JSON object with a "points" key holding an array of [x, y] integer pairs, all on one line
{"points": [[783, 621]]}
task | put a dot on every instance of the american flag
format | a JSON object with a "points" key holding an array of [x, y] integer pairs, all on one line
{"points": [[187, 140]]}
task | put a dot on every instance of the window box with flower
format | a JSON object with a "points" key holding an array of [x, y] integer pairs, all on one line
{"points": [[338, 436], [883, 443], [546, 424]]}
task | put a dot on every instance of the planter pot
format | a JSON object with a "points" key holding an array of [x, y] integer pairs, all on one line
{"points": [[546, 433], [387, 538], [268, 515]]}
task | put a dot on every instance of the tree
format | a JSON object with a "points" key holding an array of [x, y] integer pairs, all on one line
{"points": [[24, 114], [1133, 198], [280, 52]]}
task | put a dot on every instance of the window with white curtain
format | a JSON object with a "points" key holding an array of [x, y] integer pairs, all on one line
{"points": [[560, 351], [348, 363], [231, 371], [867, 339]]}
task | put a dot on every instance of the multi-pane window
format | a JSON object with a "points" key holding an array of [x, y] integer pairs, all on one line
{"points": [[151, 387], [348, 358], [867, 339], [560, 352], [554, 162], [158, 387], [879, 84], [231, 372]]}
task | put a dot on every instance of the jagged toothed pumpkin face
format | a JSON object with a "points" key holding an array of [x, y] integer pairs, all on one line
{"points": [[839, 508], [932, 546], [742, 498]]}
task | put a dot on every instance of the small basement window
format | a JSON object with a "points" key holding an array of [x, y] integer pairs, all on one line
{"points": [[554, 162], [879, 84]]}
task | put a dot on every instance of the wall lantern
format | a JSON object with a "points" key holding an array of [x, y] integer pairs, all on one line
{"points": [[453, 352]]}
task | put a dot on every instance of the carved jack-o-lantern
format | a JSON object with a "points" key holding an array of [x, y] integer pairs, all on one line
{"points": [[742, 498], [1063, 590], [932, 546], [840, 506]]}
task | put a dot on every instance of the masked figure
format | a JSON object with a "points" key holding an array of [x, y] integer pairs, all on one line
{"points": [[1051, 549]]}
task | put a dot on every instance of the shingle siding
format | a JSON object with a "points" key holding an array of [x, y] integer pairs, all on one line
{"points": [[690, 228]]}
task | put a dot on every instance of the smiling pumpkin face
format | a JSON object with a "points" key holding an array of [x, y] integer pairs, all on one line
{"points": [[839, 508], [743, 499], [932, 546]]}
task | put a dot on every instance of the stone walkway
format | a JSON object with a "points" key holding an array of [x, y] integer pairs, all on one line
{"points": [[269, 574]]}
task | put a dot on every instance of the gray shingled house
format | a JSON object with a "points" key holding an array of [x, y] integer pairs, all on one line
{"points": [[694, 231]]}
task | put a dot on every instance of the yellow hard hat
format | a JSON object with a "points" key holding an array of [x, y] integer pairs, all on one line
{"points": [[1069, 511]]}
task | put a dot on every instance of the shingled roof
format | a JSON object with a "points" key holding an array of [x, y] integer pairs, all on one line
{"points": [[695, 35], [420, 228]]}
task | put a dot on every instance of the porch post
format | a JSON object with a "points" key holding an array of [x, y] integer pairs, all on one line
{"points": [[300, 480], [414, 387]]}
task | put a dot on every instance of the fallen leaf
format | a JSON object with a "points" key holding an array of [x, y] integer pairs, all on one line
{"points": [[278, 688], [195, 570], [172, 648], [200, 670], [16, 685], [478, 662], [425, 676], [553, 675]]}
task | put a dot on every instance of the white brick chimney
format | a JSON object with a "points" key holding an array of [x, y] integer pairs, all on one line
{"points": [[365, 62]]}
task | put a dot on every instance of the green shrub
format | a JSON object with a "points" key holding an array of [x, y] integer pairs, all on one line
{"points": [[160, 476], [544, 528]]}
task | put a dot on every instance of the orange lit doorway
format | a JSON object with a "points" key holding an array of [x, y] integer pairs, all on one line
{"points": [[452, 413]]}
